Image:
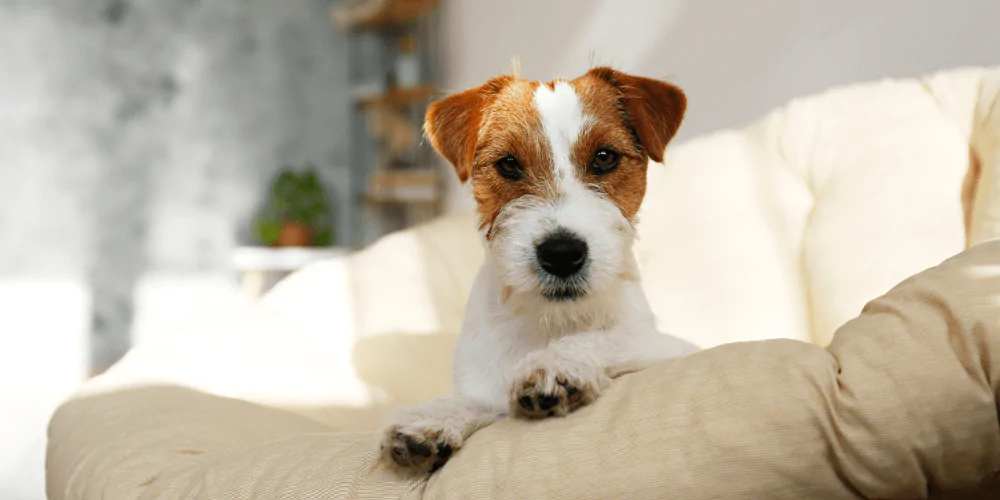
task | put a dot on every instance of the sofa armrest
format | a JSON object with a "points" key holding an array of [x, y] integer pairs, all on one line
{"points": [[245, 351]]}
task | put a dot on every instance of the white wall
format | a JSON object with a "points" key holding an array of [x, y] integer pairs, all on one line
{"points": [[736, 59], [43, 357]]}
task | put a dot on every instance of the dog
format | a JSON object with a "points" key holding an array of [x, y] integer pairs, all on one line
{"points": [[558, 171]]}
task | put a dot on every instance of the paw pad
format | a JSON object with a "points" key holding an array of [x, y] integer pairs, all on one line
{"points": [[418, 452], [540, 395]]}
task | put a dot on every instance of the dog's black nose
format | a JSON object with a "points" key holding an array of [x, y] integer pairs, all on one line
{"points": [[562, 254]]}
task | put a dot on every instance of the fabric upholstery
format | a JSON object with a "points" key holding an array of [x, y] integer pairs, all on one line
{"points": [[904, 399], [784, 229]]}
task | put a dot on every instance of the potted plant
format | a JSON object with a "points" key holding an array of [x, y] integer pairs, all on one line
{"points": [[297, 214]]}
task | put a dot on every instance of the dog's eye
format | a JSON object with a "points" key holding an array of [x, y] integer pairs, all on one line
{"points": [[604, 161], [509, 168]]}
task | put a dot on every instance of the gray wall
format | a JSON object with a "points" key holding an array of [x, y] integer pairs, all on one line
{"points": [[139, 135]]}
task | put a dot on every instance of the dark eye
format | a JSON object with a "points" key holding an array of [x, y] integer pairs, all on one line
{"points": [[509, 168], [604, 161]]}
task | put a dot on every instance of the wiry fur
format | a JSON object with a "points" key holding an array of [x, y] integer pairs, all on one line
{"points": [[522, 352]]}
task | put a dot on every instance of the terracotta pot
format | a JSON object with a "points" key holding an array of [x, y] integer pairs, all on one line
{"points": [[293, 234]]}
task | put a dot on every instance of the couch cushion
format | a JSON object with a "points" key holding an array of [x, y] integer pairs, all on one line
{"points": [[903, 398], [423, 275], [821, 205], [902, 401]]}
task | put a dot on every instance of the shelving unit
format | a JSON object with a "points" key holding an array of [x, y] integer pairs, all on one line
{"points": [[380, 14], [398, 97], [396, 178]]}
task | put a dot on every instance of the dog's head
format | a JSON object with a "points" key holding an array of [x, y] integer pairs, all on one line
{"points": [[558, 171]]}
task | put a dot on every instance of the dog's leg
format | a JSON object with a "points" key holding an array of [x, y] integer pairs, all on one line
{"points": [[573, 371], [422, 438]]}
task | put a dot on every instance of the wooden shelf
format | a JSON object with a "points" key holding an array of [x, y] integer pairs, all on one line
{"points": [[368, 200], [385, 120], [403, 187], [399, 96], [391, 14]]}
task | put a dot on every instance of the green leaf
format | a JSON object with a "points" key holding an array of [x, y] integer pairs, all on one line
{"points": [[266, 230], [323, 237]]}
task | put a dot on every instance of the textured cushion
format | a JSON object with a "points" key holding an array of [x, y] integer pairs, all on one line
{"points": [[810, 212], [902, 400]]}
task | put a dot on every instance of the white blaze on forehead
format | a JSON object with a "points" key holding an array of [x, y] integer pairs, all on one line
{"points": [[563, 121]]}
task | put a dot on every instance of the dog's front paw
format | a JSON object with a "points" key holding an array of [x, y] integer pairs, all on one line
{"points": [[418, 448], [545, 386]]}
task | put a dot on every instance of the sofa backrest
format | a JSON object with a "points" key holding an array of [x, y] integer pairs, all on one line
{"points": [[788, 227], [784, 228]]}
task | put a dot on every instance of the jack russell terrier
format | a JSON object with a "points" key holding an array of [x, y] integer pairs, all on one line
{"points": [[558, 171]]}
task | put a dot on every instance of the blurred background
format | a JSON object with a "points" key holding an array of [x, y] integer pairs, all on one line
{"points": [[160, 158]]}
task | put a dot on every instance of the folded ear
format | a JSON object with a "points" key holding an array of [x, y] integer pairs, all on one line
{"points": [[655, 108], [452, 124]]}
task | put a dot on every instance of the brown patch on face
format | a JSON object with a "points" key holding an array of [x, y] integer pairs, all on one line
{"points": [[511, 127], [453, 124], [653, 109], [608, 129], [632, 116], [635, 118], [475, 129]]}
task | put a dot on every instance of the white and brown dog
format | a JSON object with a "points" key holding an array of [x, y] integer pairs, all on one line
{"points": [[558, 171]]}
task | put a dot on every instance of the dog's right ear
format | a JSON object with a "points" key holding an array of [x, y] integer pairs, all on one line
{"points": [[656, 108], [453, 124]]}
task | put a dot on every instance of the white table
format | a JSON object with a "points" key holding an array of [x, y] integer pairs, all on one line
{"points": [[263, 266]]}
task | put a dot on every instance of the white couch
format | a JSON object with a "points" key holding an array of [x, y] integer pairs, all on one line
{"points": [[782, 229]]}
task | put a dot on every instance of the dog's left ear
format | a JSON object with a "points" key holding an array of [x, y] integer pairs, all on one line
{"points": [[656, 108]]}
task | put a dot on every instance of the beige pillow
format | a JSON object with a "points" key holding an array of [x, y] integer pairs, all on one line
{"points": [[903, 398], [901, 403]]}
